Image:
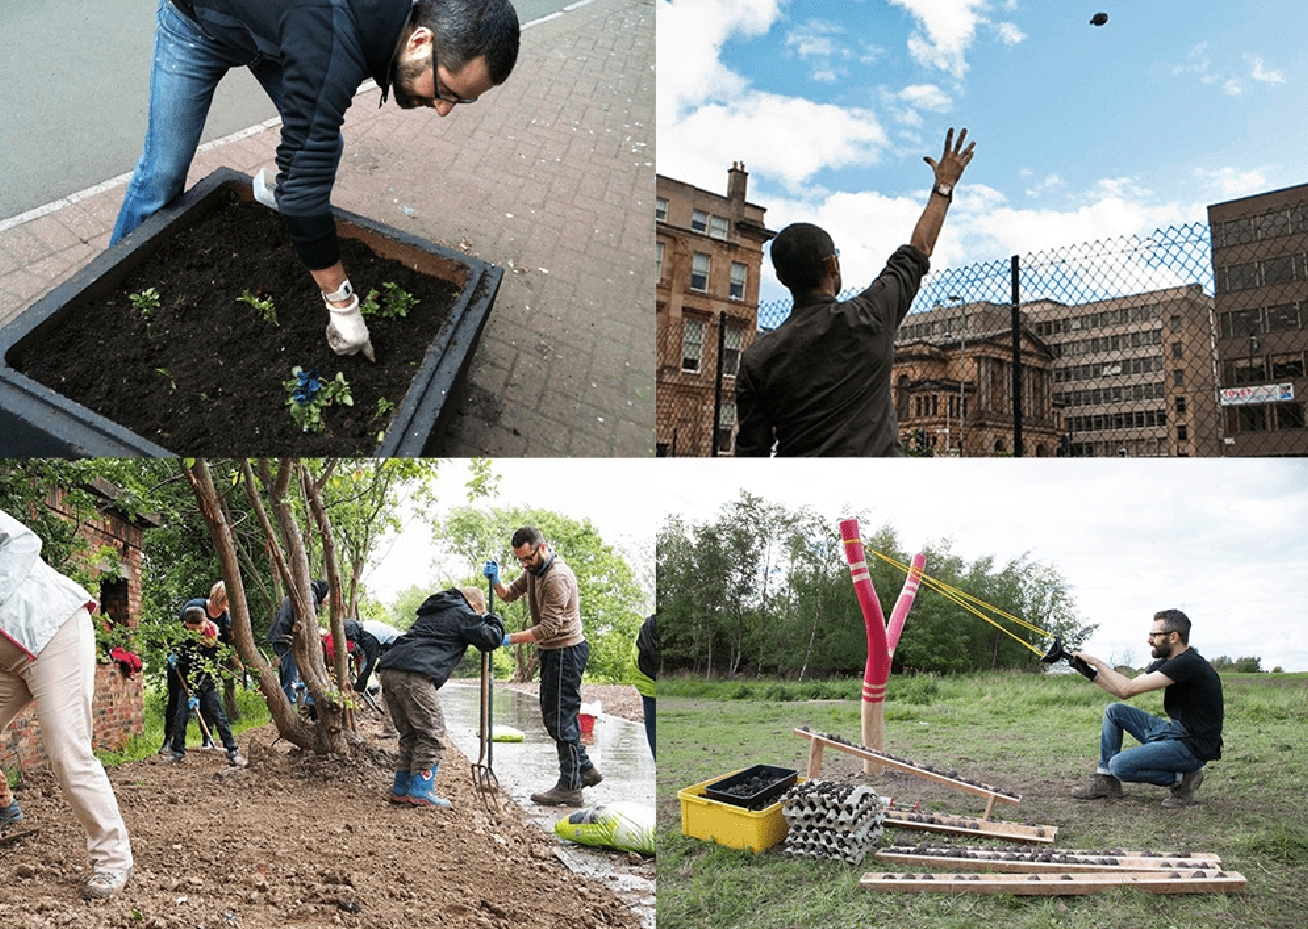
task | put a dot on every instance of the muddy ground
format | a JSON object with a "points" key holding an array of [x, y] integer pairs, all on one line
{"points": [[303, 841]]}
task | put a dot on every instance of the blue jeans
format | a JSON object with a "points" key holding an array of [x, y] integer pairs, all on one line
{"points": [[1161, 758], [287, 673], [187, 68], [211, 710]]}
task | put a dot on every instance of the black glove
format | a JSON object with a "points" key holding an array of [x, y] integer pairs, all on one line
{"points": [[1081, 667]]}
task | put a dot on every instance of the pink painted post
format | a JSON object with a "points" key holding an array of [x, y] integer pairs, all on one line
{"points": [[881, 641]]}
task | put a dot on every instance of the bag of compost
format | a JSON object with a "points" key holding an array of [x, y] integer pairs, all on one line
{"points": [[625, 826]]}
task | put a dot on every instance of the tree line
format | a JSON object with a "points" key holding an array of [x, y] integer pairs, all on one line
{"points": [[764, 590]]}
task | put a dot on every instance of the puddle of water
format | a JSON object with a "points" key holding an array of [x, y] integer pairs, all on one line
{"points": [[618, 750]]}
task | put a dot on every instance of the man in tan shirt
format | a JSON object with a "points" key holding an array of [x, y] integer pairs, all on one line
{"points": [[551, 590]]}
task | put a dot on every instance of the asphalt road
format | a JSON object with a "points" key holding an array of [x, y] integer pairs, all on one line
{"points": [[74, 88]]}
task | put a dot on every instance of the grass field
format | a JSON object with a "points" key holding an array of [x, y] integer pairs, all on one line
{"points": [[1037, 735], [254, 713]]}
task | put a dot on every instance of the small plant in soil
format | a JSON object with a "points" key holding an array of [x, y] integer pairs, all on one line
{"points": [[309, 395], [263, 304], [384, 406], [391, 301], [145, 302]]}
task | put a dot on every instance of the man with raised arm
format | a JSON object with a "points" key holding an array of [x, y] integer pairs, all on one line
{"points": [[820, 383], [1172, 752]]}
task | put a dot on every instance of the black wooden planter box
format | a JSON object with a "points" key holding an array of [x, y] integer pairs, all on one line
{"points": [[36, 420]]}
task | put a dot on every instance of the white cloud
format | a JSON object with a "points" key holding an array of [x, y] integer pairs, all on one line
{"points": [[1232, 182], [1263, 73], [1046, 184], [926, 97], [1232, 88], [688, 45], [1009, 34], [947, 29], [787, 138], [815, 39], [1197, 61]]}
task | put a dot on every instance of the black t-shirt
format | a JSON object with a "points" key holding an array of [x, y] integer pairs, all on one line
{"points": [[1194, 700]]}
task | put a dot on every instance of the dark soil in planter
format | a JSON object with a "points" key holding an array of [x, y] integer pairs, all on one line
{"points": [[205, 374]]}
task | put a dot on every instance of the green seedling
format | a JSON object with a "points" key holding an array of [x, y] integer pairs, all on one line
{"points": [[263, 304], [391, 301], [384, 406], [308, 395], [145, 302], [172, 388]]}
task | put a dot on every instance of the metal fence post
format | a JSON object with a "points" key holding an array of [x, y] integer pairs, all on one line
{"points": [[1017, 357], [717, 384]]}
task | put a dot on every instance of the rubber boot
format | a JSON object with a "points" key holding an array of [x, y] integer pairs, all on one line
{"points": [[400, 788], [11, 813], [422, 790]]}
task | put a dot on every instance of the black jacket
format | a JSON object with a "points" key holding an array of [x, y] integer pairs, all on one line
{"points": [[280, 631], [820, 383], [435, 643], [322, 50], [647, 648]]}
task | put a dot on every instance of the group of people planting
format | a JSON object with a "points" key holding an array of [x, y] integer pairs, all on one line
{"points": [[48, 656]]}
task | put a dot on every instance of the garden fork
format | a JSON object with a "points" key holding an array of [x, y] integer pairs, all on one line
{"points": [[483, 774]]}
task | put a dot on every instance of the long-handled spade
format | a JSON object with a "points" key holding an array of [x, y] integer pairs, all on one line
{"points": [[483, 775]]}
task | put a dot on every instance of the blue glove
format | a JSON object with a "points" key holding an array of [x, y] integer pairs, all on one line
{"points": [[172, 661], [193, 703], [491, 570], [505, 643]]}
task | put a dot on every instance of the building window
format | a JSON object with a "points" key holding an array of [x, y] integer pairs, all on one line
{"points": [[1182, 434], [1289, 415], [1286, 366], [739, 274], [1240, 323], [1176, 349], [699, 221], [726, 427], [1180, 405], [692, 344], [1240, 277], [732, 340], [699, 272], [717, 227], [1251, 418], [1270, 225], [1178, 377], [658, 260], [1282, 317], [661, 210], [1174, 323], [1278, 270], [1237, 232]]}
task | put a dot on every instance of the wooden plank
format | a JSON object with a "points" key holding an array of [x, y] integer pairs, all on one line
{"points": [[908, 859], [16, 838], [971, 826], [860, 751], [1065, 883], [814, 759], [1162, 859]]}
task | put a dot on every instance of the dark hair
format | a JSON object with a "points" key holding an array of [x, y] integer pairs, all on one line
{"points": [[798, 255], [527, 535], [463, 30], [193, 616], [1175, 621]]}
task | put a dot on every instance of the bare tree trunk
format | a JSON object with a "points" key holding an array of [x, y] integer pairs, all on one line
{"points": [[313, 492], [289, 726], [817, 614]]}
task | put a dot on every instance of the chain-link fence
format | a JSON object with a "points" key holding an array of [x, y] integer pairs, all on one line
{"points": [[1189, 341], [697, 384]]}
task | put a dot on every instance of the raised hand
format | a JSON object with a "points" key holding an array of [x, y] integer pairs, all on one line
{"points": [[951, 164]]}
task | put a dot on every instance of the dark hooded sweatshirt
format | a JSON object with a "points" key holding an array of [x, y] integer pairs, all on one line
{"points": [[435, 643]]}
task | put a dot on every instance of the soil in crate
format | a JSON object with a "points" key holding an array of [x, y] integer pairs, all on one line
{"points": [[205, 373]]}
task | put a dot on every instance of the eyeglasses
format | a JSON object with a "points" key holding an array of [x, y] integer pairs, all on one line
{"points": [[528, 559], [1154, 635], [436, 84]]}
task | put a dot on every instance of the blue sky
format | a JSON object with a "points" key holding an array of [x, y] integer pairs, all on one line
{"points": [[1082, 132]]}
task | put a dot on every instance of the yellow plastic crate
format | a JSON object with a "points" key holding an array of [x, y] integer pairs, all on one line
{"points": [[725, 824]]}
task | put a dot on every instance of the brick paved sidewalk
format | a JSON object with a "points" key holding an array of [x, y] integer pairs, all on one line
{"points": [[550, 176]]}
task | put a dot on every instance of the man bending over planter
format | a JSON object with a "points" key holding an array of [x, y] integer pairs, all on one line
{"points": [[311, 56], [415, 667], [1171, 753]]}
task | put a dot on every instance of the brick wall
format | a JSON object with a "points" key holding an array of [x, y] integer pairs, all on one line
{"points": [[118, 709]]}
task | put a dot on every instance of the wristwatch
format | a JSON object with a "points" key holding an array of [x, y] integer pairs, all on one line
{"points": [[945, 190]]}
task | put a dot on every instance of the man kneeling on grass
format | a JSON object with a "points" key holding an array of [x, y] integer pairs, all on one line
{"points": [[1171, 753], [417, 665]]}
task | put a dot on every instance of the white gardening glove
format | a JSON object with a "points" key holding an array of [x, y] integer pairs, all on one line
{"points": [[265, 189], [347, 333]]}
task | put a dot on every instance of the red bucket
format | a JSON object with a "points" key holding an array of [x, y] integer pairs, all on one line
{"points": [[587, 721]]}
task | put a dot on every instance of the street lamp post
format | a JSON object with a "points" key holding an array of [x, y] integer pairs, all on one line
{"points": [[962, 370]]}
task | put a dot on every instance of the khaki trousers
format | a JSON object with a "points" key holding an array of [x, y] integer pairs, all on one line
{"points": [[62, 682]]}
